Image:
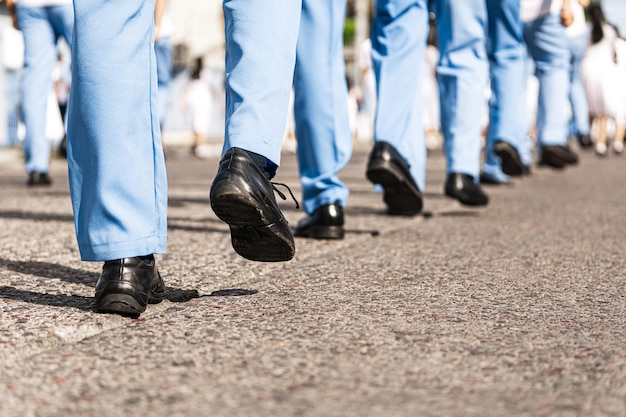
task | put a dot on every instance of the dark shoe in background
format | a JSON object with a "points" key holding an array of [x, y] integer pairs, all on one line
{"points": [[584, 141], [127, 285], [325, 223], [511, 162], [387, 168], [243, 197], [38, 179], [463, 188], [557, 156]]}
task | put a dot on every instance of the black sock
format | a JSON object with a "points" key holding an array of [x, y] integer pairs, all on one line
{"points": [[147, 259], [265, 165]]}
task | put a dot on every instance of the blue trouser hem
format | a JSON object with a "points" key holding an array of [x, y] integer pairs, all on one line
{"points": [[117, 250]]}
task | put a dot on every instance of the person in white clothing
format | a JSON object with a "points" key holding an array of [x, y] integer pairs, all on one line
{"points": [[603, 83], [42, 23]]}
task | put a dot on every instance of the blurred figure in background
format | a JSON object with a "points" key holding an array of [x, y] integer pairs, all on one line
{"points": [[603, 82], [163, 29], [544, 34], [577, 40], [197, 101], [42, 23]]}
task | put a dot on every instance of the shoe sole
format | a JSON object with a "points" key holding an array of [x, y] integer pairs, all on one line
{"points": [[323, 232], [400, 196], [511, 164], [253, 235], [125, 304]]}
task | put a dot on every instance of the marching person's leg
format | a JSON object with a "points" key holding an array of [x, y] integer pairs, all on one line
{"points": [[398, 160], [115, 157], [506, 51], [547, 44], [462, 75], [39, 59], [261, 41], [321, 115]]}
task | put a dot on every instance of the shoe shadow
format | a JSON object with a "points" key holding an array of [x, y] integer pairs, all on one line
{"points": [[457, 213], [70, 275], [52, 300], [50, 270], [46, 217]]}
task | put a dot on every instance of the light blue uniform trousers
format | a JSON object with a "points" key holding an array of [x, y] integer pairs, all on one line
{"points": [[577, 47], [547, 45], [41, 26], [321, 104], [118, 181], [399, 33], [116, 166], [462, 75], [163, 50], [261, 38], [507, 57]]}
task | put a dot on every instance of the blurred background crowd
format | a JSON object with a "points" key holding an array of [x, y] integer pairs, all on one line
{"points": [[193, 91]]}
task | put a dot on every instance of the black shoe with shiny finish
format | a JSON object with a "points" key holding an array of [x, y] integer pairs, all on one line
{"points": [[463, 188], [511, 162], [387, 168], [244, 198], [557, 156], [325, 223], [127, 285], [38, 179], [584, 141]]}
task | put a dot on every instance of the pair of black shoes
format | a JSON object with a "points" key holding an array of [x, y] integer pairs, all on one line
{"points": [[401, 195], [243, 197], [38, 179], [557, 156]]}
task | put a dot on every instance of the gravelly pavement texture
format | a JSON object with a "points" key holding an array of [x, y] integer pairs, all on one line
{"points": [[517, 309]]}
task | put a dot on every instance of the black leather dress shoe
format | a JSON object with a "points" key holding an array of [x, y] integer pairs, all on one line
{"points": [[584, 141], [463, 188], [127, 285], [557, 156], [38, 179], [325, 223], [387, 168], [511, 162], [244, 198]]}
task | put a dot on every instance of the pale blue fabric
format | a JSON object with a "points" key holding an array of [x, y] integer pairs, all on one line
{"points": [[399, 34], [507, 54], [116, 166], [321, 104], [579, 124], [41, 27], [261, 38], [462, 75], [547, 46], [163, 50]]}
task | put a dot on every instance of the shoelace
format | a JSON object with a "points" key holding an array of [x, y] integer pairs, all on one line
{"points": [[283, 196]]}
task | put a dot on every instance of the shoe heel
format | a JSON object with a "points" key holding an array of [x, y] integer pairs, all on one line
{"points": [[122, 304], [327, 232]]}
